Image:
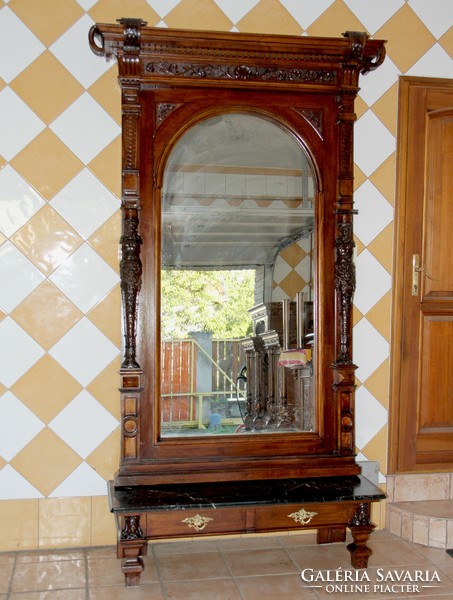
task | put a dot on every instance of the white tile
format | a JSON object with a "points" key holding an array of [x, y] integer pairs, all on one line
{"points": [[83, 424], [304, 268], [374, 84], [20, 277], [373, 143], [434, 63], [375, 212], [373, 282], [84, 481], [163, 7], [374, 14], [85, 128], [278, 294], [305, 12], [370, 416], [235, 10], [281, 269], [84, 278], [18, 124], [18, 45], [85, 195], [73, 51], [370, 349], [18, 425], [18, 202], [15, 487], [437, 15], [84, 351], [87, 4]]}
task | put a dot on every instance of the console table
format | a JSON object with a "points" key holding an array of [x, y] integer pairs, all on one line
{"points": [[329, 505]]}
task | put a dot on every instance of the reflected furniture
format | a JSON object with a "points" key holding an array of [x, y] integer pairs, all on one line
{"points": [[186, 97]]}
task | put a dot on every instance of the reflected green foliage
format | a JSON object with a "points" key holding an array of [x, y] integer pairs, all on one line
{"points": [[215, 301]]}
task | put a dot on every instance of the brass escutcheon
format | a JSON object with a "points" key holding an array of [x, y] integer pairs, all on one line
{"points": [[303, 516], [197, 522]]}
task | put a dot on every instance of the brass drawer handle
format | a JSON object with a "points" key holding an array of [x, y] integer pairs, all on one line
{"points": [[197, 522], [303, 516]]}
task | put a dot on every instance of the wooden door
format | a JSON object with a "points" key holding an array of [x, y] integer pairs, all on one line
{"points": [[421, 414]]}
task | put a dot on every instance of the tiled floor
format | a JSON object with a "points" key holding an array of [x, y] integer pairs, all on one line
{"points": [[247, 568]]}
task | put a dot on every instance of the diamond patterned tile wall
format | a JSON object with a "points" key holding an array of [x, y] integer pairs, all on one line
{"points": [[59, 301]]}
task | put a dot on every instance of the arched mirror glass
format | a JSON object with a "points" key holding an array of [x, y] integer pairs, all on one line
{"points": [[238, 275]]}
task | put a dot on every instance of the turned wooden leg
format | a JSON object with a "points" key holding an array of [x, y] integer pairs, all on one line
{"points": [[329, 535], [132, 563], [360, 527], [132, 545]]}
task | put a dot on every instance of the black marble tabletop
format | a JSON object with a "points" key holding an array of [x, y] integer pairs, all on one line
{"points": [[237, 493]]}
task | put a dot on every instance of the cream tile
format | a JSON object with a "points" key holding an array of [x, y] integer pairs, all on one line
{"points": [[105, 386], [103, 530], [203, 590], [64, 522], [105, 459], [107, 316], [384, 178], [376, 448], [334, 20], [379, 315], [46, 461], [198, 15], [47, 240], [408, 38], [378, 383], [438, 533], [47, 87], [107, 11], [18, 524], [446, 41], [269, 16], [47, 164], [47, 314], [46, 19], [105, 241], [407, 526], [381, 248], [107, 92], [107, 166], [393, 521], [386, 108], [6, 571], [46, 388]]}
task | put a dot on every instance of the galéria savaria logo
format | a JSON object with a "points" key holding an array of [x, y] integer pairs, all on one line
{"points": [[376, 581]]}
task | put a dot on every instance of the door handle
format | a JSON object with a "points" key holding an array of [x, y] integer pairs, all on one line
{"points": [[416, 269]]}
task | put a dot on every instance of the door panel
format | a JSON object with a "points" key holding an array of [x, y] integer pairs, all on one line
{"points": [[421, 408]]}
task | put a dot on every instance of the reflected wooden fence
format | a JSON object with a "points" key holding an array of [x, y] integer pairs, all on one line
{"points": [[180, 398]]}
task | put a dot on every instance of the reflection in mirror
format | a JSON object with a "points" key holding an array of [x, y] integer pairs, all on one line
{"points": [[237, 281]]}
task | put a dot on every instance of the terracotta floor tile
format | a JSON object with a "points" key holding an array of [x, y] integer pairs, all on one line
{"points": [[402, 553], [274, 587], [107, 572], [263, 561], [30, 556], [42, 576], [184, 547], [199, 565], [6, 571], [331, 556], [78, 594], [145, 591], [220, 589]]}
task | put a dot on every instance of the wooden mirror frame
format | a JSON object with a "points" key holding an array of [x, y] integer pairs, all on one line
{"points": [[170, 79]]}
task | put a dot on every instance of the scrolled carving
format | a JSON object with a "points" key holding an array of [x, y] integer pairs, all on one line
{"points": [[357, 41], [132, 529], [241, 72], [131, 275], [131, 46], [345, 282]]}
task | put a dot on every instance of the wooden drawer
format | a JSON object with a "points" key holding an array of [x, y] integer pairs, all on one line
{"points": [[179, 523], [296, 516]]}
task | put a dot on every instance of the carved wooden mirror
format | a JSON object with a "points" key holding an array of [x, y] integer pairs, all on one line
{"points": [[237, 154], [237, 268]]}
